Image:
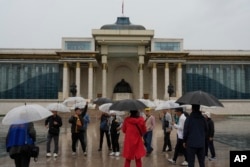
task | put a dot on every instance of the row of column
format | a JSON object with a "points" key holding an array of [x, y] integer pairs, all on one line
{"points": [[77, 80], [66, 85], [178, 89], [154, 79]]}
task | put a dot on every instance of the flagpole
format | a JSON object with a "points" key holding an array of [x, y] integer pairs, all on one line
{"points": [[122, 7]]}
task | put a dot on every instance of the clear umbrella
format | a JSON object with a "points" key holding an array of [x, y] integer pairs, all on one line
{"points": [[58, 107], [26, 113]]}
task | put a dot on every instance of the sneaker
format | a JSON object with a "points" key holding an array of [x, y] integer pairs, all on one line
{"points": [[73, 153], [55, 155], [48, 154], [117, 154], [112, 153], [212, 158], [171, 161], [85, 153], [185, 163]]}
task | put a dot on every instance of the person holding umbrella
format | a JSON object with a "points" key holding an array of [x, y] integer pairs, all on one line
{"points": [[134, 128], [194, 136], [18, 137], [53, 124], [77, 128]]}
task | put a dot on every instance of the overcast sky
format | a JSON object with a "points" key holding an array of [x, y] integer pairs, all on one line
{"points": [[202, 24]]}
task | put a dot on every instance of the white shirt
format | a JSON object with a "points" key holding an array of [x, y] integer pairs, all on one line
{"points": [[180, 126]]}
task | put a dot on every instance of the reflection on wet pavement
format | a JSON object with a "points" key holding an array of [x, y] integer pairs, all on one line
{"points": [[231, 134]]}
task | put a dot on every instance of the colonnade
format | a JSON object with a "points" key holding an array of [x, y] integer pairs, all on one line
{"points": [[178, 89]]}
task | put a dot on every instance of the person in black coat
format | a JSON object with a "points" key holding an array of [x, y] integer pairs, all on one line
{"points": [[195, 131], [53, 123], [77, 128], [210, 136]]}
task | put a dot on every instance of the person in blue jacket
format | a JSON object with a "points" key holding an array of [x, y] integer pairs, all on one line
{"points": [[18, 138]]}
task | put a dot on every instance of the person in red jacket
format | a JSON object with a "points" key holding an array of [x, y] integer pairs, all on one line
{"points": [[134, 128]]}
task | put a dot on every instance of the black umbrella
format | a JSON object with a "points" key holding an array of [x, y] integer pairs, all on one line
{"points": [[199, 98], [127, 105], [102, 100]]}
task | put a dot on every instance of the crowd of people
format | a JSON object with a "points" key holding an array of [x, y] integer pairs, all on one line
{"points": [[194, 135]]}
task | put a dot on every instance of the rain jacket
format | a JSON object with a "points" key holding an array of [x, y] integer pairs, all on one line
{"points": [[133, 143], [195, 130]]}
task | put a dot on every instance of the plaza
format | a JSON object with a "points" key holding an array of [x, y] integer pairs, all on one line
{"points": [[231, 134]]}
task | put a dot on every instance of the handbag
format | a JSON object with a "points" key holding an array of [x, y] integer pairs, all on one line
{"points": [[34, 151]]}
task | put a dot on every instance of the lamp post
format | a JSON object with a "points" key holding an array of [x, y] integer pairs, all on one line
{"points": [[170, 90]]}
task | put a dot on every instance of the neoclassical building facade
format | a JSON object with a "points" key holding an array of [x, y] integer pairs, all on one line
{"points": [[123, 51]]}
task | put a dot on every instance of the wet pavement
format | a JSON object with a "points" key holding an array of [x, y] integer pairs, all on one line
{"points": [[231, 134]]}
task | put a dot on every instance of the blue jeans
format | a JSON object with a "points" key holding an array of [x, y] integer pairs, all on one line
{"points": [[148, 140]]}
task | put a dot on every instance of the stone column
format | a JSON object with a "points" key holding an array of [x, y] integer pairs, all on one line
{"points": [[104, 76], [65, 80], [154, 81], [78, 78], [104, 80], [90, 82], [140, 81], [179, 80], [166, 77], [141, 62]]}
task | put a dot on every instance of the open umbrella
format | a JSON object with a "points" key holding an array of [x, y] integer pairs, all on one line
{"points": [[73, 100], [58, 107], [102, 100], [170, 104], [127, 105], [106, 108], [78, 105], [199, 98], [148, 103], [25, 114]]}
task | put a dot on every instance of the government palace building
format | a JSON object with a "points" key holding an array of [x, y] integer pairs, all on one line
{"points": [[120, 61]]}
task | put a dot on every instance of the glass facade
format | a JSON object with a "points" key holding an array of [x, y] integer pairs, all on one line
{"points": [[167, 46], [30, 81], [224, 81], [77, 45]]}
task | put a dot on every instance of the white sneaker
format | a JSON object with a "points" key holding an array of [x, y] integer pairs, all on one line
{"points": [[55, 155], [112, 153], [48, 154], [73, 153], [171, 161], [212, 159], [85, 153], [117, 154], [185, 163]]}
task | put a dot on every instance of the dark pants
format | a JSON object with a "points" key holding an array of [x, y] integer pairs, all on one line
{"points": [[56, 140], [210, 146], [22, 160], [107, 137], [167, 141], [180, 149], [200, 152], [115, 141], [75, 137]]}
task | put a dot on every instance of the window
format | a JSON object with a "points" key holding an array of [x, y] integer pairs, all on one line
{"points": [[167, 46], [77, 45], [224, 81], [30, 81]]}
